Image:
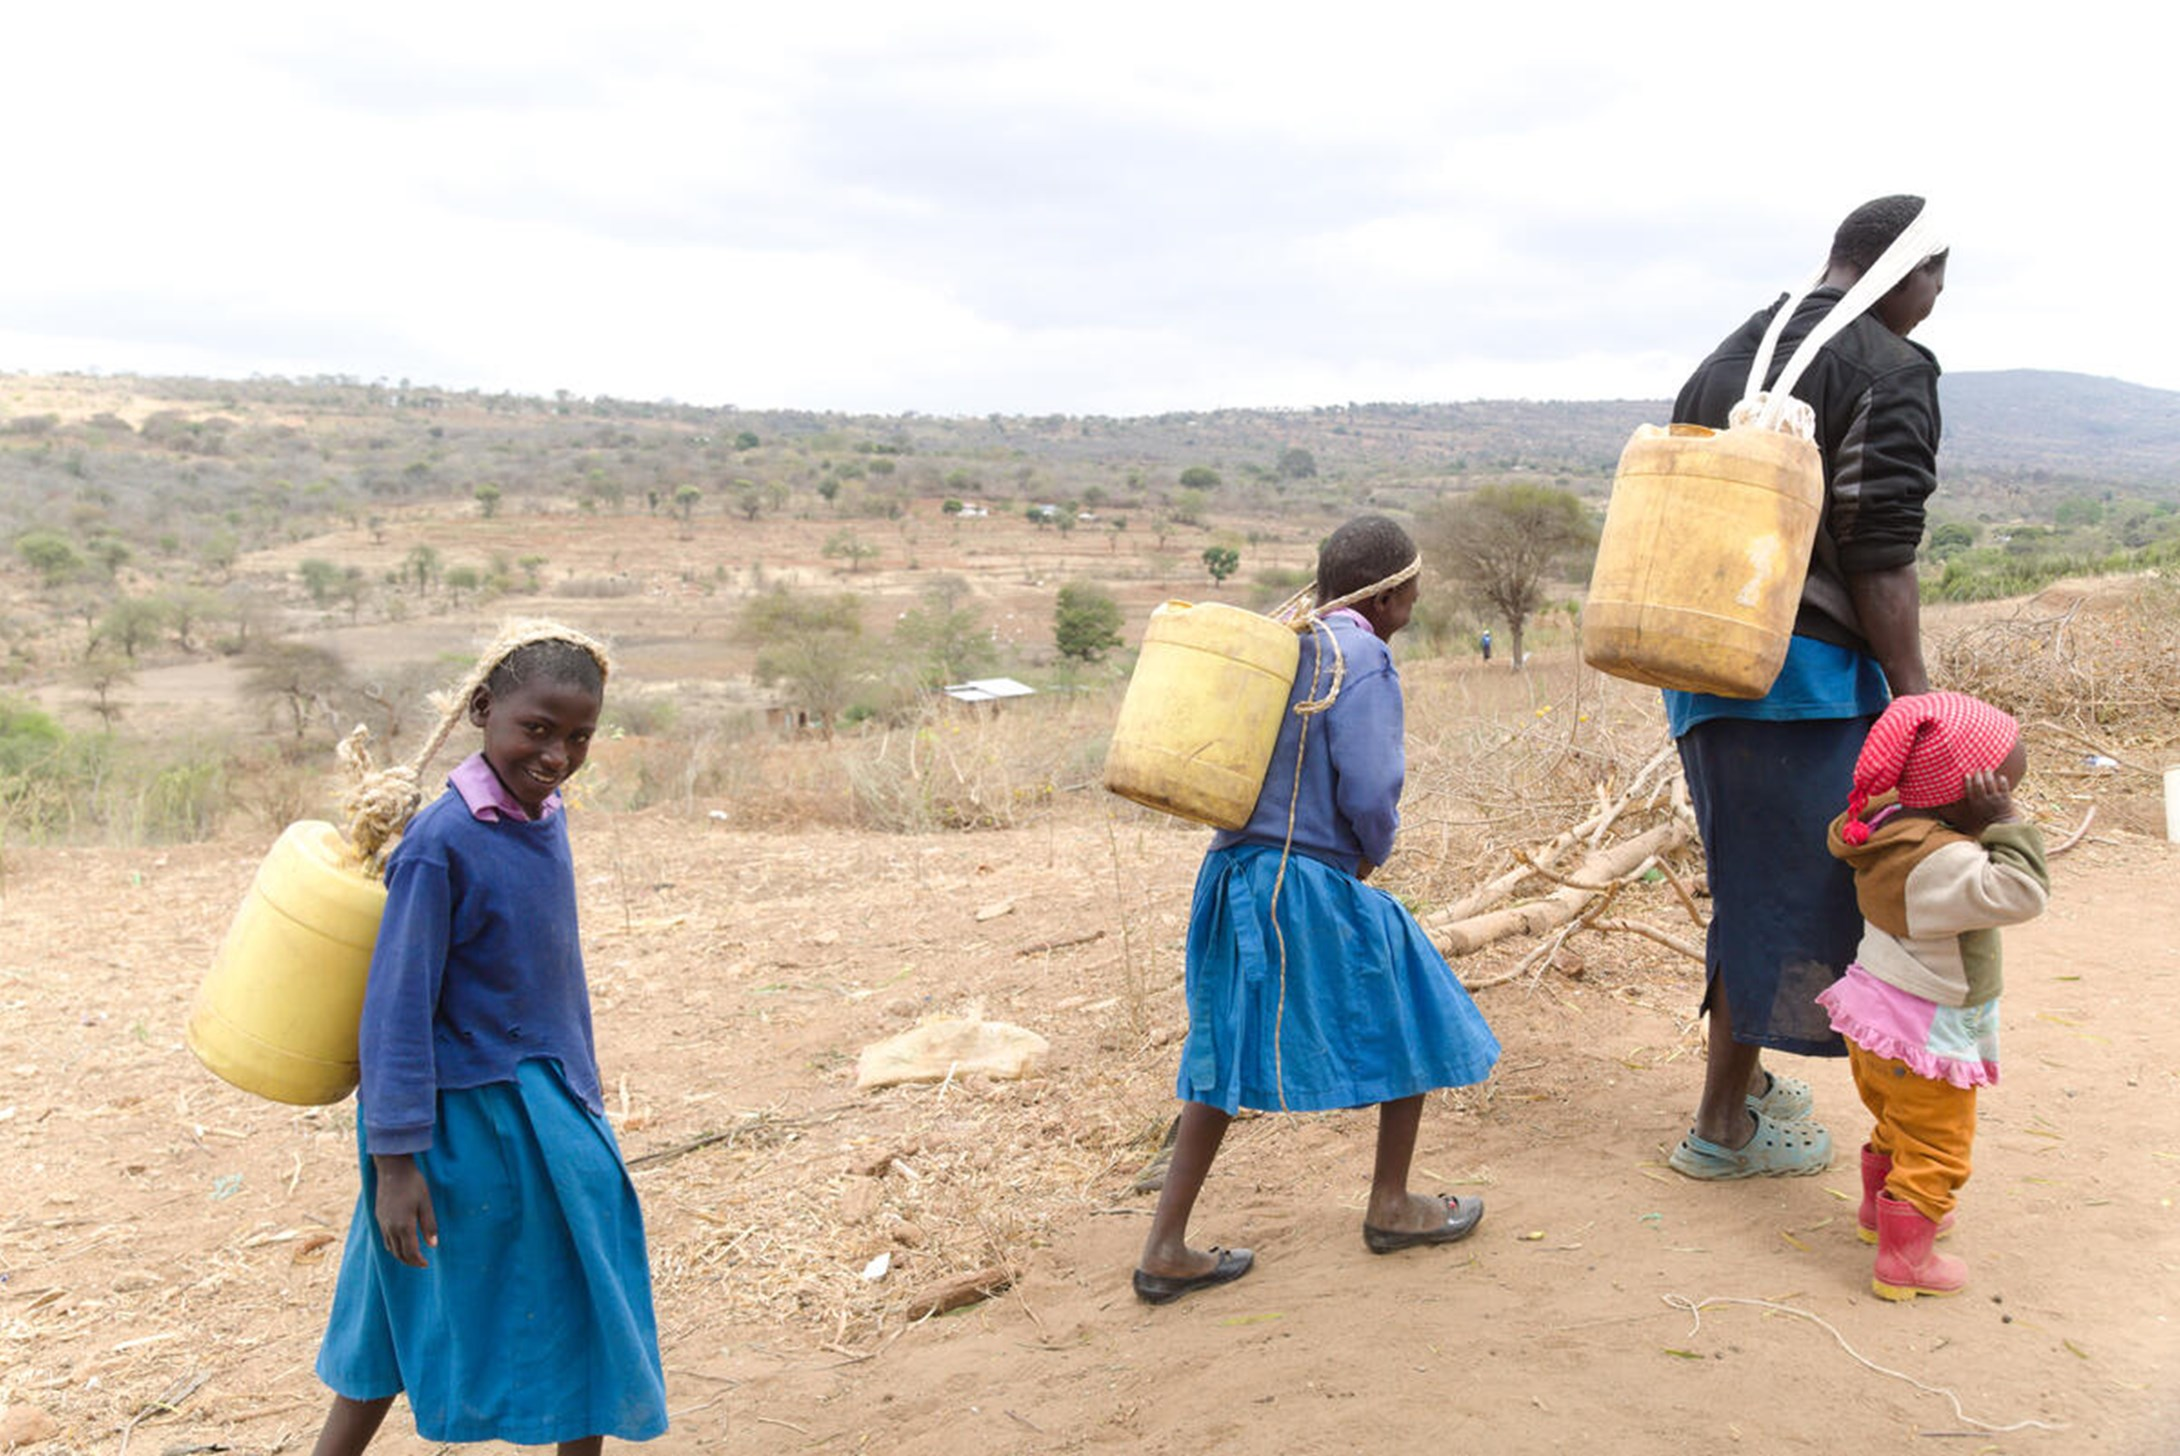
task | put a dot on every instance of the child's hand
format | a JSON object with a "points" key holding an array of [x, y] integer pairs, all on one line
{"points": [[1987, 799], [405, 1220]]}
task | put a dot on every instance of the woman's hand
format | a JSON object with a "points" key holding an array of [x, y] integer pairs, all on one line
{"points": [[405, 1220]]}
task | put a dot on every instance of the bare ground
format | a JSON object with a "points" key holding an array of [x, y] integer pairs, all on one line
{"points": [[167, 1244]]}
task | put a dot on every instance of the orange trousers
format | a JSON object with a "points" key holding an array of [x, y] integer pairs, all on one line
{"points": [[1926, 1127]]}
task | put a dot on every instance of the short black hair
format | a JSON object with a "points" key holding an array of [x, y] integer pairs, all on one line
{"points": [[1361, 552], [1872, 228], [555, 659]]}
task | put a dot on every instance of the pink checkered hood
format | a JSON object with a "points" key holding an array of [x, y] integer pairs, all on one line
{"points": [[1925, 746]]}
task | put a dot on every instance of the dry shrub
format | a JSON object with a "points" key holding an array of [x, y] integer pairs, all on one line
{"points": [[2088, 669], [1499, 759], [985, 767]]}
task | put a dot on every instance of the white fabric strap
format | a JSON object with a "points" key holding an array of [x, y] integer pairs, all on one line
{"points": [[1918, 243]]}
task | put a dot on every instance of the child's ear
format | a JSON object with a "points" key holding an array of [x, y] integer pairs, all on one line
{"points": [[480, 703]]}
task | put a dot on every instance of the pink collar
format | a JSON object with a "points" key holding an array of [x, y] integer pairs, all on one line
{"points": [[1353, 616], [488, 799]]}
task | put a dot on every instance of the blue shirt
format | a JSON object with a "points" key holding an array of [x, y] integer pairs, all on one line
{"points": [[1353, 764], [477, 965], [1818, 680]]}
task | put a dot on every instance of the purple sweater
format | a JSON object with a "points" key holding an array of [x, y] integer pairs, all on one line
{"points": [[477, 965], [1353, 766]]}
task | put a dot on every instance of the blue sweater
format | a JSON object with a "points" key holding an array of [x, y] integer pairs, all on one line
{"points": [[1353, 766], [477, 968]]}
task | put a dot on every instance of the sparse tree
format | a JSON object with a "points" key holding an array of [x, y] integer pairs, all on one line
{"points": [[53, 556], [102, 675], [848, 545], [748, 499], [131, 624], [488, 500], [319, 576], [1503, 544], [1222, 562], [531, 565], [943, 640], [1296, 463], [1199, 477], [685, 502], [1085, 622], [187, 609], [813, 646], [423, 563], [297, 676]]}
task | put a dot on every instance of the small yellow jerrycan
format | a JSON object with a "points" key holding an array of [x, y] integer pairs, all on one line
{"points": [[1202, 712], [278, 1014], [1699, 569]]}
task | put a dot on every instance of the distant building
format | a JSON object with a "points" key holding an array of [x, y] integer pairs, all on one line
{"points": [[988, 690]]}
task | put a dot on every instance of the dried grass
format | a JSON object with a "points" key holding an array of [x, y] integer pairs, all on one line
{"points": [[2088, 668]]}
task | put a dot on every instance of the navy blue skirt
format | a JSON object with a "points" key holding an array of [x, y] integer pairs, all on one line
{"points": [[1371, 1011], [1784, 923], [532, 1322]]}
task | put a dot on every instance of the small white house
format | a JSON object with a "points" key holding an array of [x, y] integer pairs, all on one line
{"points": [[988, 690]]}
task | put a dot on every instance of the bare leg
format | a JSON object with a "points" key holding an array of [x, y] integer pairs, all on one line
{"points": [[1731, 1072], [1166, 1251], [1392, 1206], [350, 1425], [586, 1446]]}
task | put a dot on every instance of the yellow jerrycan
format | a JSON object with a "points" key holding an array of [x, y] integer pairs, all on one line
{"points": [[1706, 541], [278, 1013], [1202, 712], [1700, 566]]}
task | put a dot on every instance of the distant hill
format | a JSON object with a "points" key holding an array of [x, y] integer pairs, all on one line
{"points": [[2038, 426]]}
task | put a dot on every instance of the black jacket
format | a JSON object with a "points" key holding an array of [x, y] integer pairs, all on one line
{"points": [[1875, 395]]}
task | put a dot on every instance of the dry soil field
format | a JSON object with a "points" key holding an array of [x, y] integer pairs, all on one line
{"points": [[168, 1244]]}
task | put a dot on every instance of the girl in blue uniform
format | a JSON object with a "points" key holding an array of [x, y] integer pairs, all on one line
{"points": [[495, 1267], [1308, 989]]}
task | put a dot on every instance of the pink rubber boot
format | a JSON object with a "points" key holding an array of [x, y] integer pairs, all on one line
{"points": [[1908, 1262], [1876, 1168]]}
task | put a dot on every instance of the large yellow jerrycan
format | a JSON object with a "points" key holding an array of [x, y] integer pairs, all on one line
{"points": [[1202, 712], [1699, 570], [278, 1014]]}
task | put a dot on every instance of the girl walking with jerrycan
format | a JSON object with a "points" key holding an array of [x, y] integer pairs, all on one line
{"points": [[495, 1268], [1941, 860], [1307, 989]]}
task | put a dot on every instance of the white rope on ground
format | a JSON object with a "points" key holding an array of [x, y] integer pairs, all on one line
{"points": [[1695, 1309], [1312, 622], [380, 802]]}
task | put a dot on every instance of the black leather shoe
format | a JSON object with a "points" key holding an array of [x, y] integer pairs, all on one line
{"points": [[1160, 1289], [1462, 1216]]}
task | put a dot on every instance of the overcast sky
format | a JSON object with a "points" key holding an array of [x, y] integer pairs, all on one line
{"points": [[1026, 208]]}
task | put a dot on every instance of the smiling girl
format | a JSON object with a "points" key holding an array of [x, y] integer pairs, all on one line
{"points": [[495, 1269]]}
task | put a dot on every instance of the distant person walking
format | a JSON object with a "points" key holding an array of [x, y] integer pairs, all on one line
{"points": [[1766, 775], [1484, 644]]}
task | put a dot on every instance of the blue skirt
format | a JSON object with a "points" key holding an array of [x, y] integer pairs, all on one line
{"points": [[1784, 922], [1371, 1011], [532, 1323]]}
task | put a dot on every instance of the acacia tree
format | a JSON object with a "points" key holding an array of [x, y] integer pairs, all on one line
{"points": [[941, 639], [813, 645], [1085, 622], [1503, 543]]}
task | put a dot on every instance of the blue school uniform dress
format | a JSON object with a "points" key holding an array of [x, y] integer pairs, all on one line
{"points": [[533, 1322], [1367, 1010]]}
